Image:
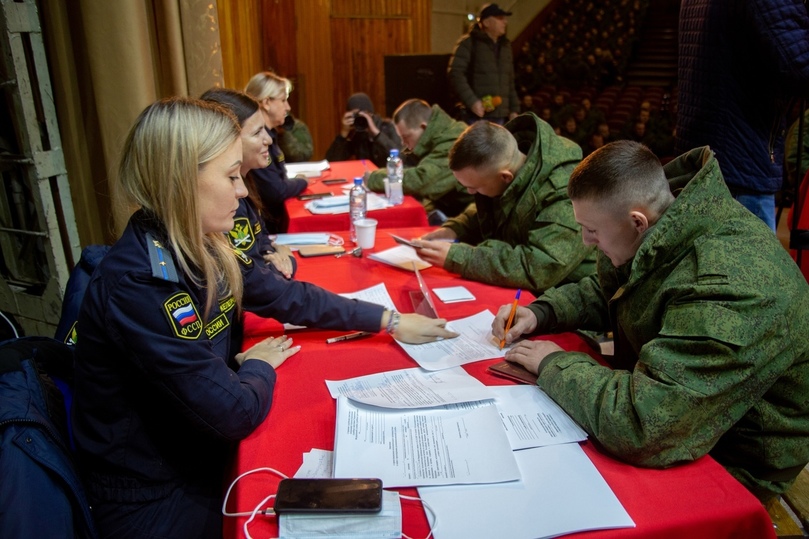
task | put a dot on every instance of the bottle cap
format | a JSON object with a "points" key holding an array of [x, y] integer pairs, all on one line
{"points": [[358, 180], [394, 152]]}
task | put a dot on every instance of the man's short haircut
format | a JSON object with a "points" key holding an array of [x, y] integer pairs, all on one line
{"points": [[412, 113], [485, 146], [623, 174]]}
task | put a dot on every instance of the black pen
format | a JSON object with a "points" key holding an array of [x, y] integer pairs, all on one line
{"points": [[348, 337]]}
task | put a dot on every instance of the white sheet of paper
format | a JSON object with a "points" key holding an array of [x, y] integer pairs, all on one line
{"points": [[532, 419], [373, 294], [317, 463], [453, 294], [451, 444], [412, 388], [475, 343], [401, 256], [560, 492], [307, 168], [339, 204]]}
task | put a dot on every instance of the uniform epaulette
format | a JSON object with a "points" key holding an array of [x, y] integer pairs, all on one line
{"points": [[162, 261]]}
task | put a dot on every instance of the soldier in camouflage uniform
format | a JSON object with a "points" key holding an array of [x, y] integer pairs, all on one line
{"points": [[520, 232], [428, 133], [710, 316], [295, 140]]}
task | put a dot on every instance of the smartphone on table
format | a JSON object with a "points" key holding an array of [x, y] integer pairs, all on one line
{"points": [[329, 496]]}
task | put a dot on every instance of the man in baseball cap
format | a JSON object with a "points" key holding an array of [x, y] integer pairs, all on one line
{"points": [[492, 10], [481, 70]]}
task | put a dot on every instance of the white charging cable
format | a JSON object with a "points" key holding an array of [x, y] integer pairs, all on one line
{"points": [[258, 508], [433, 525], [268, 512]]}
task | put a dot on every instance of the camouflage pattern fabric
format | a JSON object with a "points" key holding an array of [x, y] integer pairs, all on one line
{"points": [[711, 323], [526, 238], [431, 180], [296, 142]]}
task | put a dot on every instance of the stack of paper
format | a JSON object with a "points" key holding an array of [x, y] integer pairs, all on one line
{"points": [[308, 169], [453, 294], [460, 450]]}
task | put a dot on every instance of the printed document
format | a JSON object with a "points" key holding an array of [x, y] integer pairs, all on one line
{"points": [[435, 446], [560, 492], [532, 419], [412, 388], [475, 343], [375, 294]]}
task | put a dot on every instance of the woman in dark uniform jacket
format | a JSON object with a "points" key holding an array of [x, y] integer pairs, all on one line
{"points": [[268, 293], [162, 393], [273, 185]]}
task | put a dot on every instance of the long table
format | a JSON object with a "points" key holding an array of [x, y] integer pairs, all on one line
{"points": [[408, 214], [695, 500]]}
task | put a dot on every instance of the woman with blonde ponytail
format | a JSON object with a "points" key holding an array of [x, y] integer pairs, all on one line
{"points": [[161, 391]]}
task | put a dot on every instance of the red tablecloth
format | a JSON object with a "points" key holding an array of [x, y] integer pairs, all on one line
{"points": [[802, 224], [408, 214], [697, 500]]}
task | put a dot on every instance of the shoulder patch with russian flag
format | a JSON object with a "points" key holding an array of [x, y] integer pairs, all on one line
{"points": [[183, 316]]}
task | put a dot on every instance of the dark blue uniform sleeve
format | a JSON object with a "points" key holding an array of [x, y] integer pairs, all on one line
{"points": [[268, 294], [184, 359]]}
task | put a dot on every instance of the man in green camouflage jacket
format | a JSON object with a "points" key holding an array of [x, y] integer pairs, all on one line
{"points": [[710, 316], [428, 133], [520, 233]]}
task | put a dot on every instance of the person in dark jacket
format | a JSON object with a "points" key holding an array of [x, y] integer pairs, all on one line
{"points": [[739, 64], [272, 93], [363, 134], [269, 294], [162, 391], [249, 232], [271, 181], [481, 69]]}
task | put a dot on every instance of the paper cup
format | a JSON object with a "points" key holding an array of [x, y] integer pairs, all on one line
{"points": [[366, 232]]}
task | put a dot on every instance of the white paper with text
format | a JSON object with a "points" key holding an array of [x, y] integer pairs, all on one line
{"points": [[436, 446], [412, 388]]}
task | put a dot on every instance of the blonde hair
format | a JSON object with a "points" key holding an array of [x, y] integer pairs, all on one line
{"points": [[268, 84], [171, 141]]}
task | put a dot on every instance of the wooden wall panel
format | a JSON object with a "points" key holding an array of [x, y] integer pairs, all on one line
{"points": [[328, 48], [240, 32], [359, 46], [315, 84]]}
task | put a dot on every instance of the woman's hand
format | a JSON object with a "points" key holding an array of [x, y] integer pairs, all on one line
{"points": [[416, 329], [273, 350], [280, 259]]}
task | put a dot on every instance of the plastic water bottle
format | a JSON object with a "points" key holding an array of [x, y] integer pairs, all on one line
{"points": [[395, 177], [357, 206]]}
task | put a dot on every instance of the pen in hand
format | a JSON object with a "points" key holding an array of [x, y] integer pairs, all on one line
{"points": [[510, 318]]}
